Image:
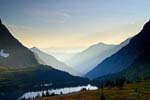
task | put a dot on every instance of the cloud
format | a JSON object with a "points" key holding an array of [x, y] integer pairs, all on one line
{"points": [[19, 29], [50, 13], [52, 17]]}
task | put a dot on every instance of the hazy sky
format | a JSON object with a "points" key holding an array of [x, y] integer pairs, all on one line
{"points": [[73, 23]]}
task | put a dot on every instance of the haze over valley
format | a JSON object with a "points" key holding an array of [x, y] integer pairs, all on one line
{"points": [[74, 50]]}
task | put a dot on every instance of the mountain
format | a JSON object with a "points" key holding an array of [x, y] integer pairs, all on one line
{"points": [[52, 61], [12, 53], [87, 59], [136, 54], [20, 71], [94, 55], [140, 68], [39, 60], [99, 58]]}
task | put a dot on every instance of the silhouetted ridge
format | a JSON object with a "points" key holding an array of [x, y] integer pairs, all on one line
{"points": [[19, 56], [146, 26], [138, 45], [139, 69], [0, 21]]}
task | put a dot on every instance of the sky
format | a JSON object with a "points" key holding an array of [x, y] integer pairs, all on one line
{"points": [[72, 25]]}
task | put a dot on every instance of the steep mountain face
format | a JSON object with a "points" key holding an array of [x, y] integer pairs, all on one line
{"points": [[138, 46], [52, 61], [89, 58], [140, 68], [12, 53], [137, 71]]}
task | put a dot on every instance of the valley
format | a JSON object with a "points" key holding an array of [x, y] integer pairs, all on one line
{"points": [[74, 50]]}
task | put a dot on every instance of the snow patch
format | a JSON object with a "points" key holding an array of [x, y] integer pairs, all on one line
{"points": [[3, 54]]}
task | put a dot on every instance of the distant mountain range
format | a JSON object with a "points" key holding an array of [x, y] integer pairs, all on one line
{"points": [[86, 61], [52, 61], [133, 59], [20, 70]]}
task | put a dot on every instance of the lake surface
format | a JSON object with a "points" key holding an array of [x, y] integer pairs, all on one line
{"points": [[58, 91]]}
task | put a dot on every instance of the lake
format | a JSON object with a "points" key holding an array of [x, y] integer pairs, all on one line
{"points": [[58, 91]]}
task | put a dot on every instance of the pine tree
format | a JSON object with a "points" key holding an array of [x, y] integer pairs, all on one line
{"points": [[43, 94], [47, 93], [102, 96]]}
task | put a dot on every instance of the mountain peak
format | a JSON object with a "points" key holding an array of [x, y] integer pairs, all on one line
{"points": [[101, 43], [11, 45], [34, 47], [98, 44], [147, 26], [137, 47]]}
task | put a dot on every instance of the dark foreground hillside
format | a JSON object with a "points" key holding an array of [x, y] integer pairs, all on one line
{"points": [[134, 91]]}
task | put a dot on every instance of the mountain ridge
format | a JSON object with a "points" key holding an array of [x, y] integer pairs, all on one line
{"points": [[82, 61], [16, 51], [52, 61], [124, 57]]}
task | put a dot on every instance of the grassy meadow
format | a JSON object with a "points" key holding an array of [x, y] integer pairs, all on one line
{"points": [[132, 91]]}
